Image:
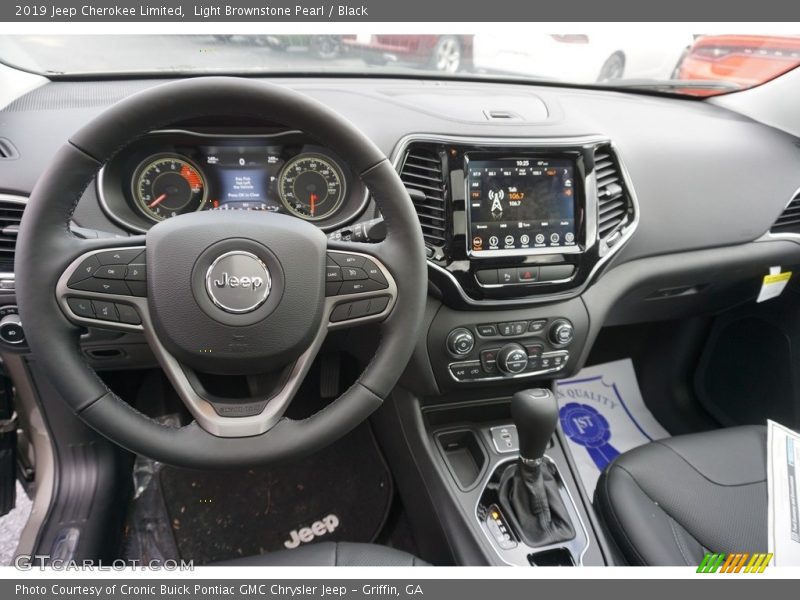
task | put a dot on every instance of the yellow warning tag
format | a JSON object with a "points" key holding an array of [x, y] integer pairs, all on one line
{"points": [[777, 278], [773, 284]]}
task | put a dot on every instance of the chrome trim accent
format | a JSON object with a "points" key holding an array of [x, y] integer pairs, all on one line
{"points": [[407, 140], [6, 276], [201, 409], [499, 551], [768, 236], [139, 229], [259, 301], [564, 353], [34, 423]]}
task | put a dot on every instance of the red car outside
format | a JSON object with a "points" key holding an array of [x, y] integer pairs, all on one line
{"points": [[745, 60], [444, 53]]}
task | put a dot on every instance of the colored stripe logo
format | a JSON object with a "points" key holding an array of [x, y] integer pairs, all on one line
{"points": [[738, 562]]}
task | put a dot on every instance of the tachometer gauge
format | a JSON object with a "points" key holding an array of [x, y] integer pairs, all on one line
{"points": [[311, 186], [168, 185]]}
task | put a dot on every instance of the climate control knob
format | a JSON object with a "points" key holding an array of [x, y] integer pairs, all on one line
{"points": [[460, 342], [561, 332], [512, 359]]}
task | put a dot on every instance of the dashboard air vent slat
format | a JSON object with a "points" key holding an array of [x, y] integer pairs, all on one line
{"points": [[615, 206], [789, 221], [10, 217], [423, 173]]}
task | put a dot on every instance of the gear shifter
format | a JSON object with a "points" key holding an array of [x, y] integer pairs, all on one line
{"points": [[529, 492]]}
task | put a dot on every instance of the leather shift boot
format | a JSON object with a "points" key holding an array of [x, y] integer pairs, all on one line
{"points": [[530, 499]]}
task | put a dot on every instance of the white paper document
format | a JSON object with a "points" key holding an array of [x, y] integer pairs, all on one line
{"points": [[783, 466], [602, 415]]}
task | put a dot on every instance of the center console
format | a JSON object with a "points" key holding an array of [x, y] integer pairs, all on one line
{"points": [[515, 230]]}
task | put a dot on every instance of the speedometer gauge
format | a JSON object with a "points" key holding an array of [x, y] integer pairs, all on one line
{"points": [[168, 185], [311, 186]]}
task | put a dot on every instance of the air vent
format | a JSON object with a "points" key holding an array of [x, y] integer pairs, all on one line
{"points": [[10, 216], [615, 207], [789, 221], [424, 176], [7, 150]]}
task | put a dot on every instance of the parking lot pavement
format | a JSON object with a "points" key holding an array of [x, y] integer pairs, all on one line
{"points": [[11, 526]]}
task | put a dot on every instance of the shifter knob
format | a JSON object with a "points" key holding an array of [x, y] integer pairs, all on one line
{"points": [[535, 414]]}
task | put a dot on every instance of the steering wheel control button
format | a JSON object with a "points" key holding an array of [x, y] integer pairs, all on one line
{"points": [[81, 307], [136, 272], [347, 260], [359, 287], [102, 286], [359, 308], [333, 273], [354, 274], [111, 272], [105, 311], [11, 330], [128, 314], [137, 288], [118, 257], [332, 288], [374, 273], [238, 282], [85, 270]]}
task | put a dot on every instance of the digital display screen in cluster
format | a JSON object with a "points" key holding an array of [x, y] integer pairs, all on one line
{"points": [[245, 176], [517, 206]]}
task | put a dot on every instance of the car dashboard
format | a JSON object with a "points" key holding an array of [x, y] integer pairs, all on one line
{"points": [[547, 213]]}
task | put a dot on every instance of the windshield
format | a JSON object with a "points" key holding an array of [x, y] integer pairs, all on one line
{"points": [[669, 61]]}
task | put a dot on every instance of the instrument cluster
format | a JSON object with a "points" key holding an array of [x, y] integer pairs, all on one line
{"points": [[176, 172]]}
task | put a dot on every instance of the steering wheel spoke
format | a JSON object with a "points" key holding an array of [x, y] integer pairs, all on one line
{"points": [[106, 287]]}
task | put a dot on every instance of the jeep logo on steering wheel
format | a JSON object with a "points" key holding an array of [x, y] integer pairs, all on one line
{"points": [[238, 282]]}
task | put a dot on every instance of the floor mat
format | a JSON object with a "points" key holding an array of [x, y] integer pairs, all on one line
{"points": [[341, 493], [602, 415]]}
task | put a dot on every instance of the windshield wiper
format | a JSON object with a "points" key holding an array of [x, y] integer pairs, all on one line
{"points": [[670, 85]]}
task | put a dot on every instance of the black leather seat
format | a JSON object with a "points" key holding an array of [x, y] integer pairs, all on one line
{"points": [[671, 501], [331, 554]]}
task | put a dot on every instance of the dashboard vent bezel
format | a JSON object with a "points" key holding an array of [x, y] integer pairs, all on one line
{"points": [[424, 173], [7, 150], [789, 219], [11, 209], [615, 205]]}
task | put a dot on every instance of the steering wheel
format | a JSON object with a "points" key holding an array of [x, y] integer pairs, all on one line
{"points": [[234, 293]]}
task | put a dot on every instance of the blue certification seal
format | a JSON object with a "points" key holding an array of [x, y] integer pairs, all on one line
{"points": [[588, 428]]}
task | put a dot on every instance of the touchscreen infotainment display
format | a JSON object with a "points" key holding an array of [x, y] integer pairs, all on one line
{"points": [[517, 206]]}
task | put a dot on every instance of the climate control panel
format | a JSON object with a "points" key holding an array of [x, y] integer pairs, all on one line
{"points": [[495, 346], [534, 353]]}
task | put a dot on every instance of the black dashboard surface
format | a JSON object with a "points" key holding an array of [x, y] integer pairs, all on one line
{"points": [[704, 177]]}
